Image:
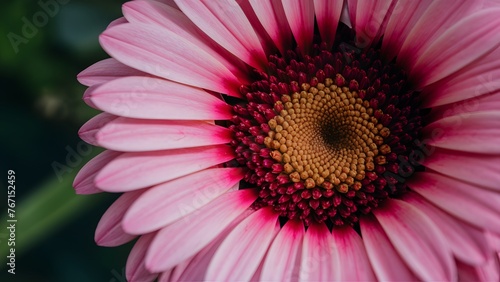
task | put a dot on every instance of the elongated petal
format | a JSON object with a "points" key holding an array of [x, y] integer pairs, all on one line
{"points": [[185, 237], [437, 19], [417, 240], [131, 171], [240, 254], [319, 254], [352, 263], [283, 258], [471, 132], [165, 54], [485, 272], [482, 170], [134, 135], [300, 16], [462, 44], [272, 17], [459, 199], [385, 260], [89, 130], [106, 70], [84, 180], [135, 269], [369, 19], [225, 22], [109, 231], [328, 16], [170, 201], [466, 242], [169, 17], [155, 98], [198, 265]]}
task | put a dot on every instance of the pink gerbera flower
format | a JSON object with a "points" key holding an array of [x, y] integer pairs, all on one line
{"points": [[299, 140]]}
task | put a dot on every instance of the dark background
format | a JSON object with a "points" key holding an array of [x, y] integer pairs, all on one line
{"points": [[41, 111]]}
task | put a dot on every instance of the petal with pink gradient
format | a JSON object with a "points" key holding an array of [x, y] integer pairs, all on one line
{"points": [[300, 17], [171, 18], [84, 180], [170, 201], [116, 22], [240, 254], [417, 240], [131, 171], [471, 82], [466, 242], [479, 207], [486, 272], [109, 231], [135, 269], [327, 17], [352, 263], [225, 22], [482, 170], [319, 254], [159, 51], [89, 130], [369, 19], [432, 23], [385, 260], [106, 70], [134, 135], [155, 98], [272, 17], [282, 261], [463, 43], [187, 236], [470, 132]]}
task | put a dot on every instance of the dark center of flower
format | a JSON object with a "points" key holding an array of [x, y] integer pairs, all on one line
{"points": [[323, 135]]}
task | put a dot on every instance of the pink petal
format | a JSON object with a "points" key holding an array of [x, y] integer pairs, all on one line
{"points": [[471, 132], [319, 254], [109, 232], [493, 240], [272, 17], [89, 130], [240, 254], [385, 260], [170, 201], [165, 54], [300, 16], [471, 82], [171, 18], [485, 272], [482, 170], [353, 263], [154, 98], [431, 24], [369, 19], [132, 171], [135, 269], [469, 39], [198, 265], [106, 70], [479, 207], [403, 19], [184, 238], [118, 21], [84, 180], [283, 258], [417, 240], [134, 135], [225, 22], [327, 16], [466, 242]]}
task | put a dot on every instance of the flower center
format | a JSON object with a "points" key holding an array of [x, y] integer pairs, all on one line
{"points": [[323, 136]]}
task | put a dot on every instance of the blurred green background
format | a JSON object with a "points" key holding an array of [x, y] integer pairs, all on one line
{"points": [[41, 111]]}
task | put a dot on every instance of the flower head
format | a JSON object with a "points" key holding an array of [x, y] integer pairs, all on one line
{"points": [[299, 140]]}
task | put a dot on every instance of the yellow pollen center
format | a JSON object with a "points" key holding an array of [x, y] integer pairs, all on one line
{"points": [[327, 136]]}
